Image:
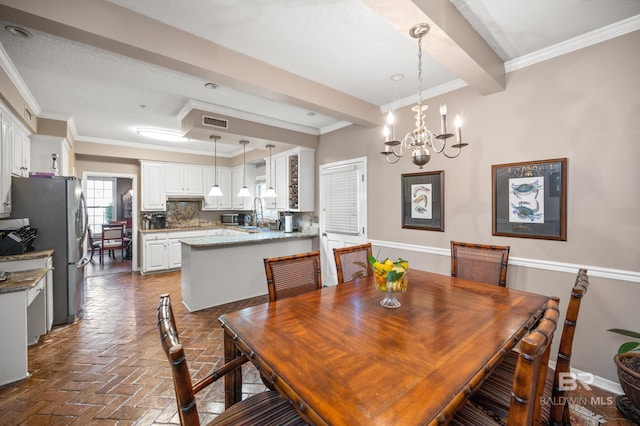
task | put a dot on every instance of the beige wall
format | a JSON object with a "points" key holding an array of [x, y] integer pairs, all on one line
{"points": [[584, 106]]}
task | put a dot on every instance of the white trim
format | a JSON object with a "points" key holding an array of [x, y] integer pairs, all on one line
{"points": [[14, 76], [548, 265], [598, 382], [588, 39]]}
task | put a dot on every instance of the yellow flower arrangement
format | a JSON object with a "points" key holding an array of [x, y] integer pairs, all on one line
{"points": [[389, 275]]}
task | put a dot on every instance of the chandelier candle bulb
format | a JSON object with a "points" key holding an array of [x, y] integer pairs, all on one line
{"points": [[458, 129]]}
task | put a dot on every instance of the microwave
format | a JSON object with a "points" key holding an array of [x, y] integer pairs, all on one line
{"points": [[229, 218]]}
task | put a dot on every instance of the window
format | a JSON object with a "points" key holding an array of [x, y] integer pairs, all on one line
{"points": [[100, 202]]}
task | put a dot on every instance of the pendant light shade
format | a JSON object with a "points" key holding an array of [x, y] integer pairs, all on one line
{"points": [[215, 190], [270, 193], [244, 191]]}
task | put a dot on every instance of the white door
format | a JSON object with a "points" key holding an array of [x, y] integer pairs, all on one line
{"points": [[343, 210]]}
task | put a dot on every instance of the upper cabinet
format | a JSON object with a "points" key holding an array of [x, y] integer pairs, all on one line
{"points": [[223, 179], [292, 176], [20, 152], [183, 179], [153, 196], [5, 166]]}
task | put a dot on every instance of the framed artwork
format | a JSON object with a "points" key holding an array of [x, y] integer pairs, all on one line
{"points": [[423, 201], [529, 200]]}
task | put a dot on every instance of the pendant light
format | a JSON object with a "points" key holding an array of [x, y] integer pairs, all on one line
{"points": [[244, 191], [271, 193], [215, 190]]}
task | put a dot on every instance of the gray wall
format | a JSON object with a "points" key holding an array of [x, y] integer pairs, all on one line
{"points": [[584, 106]]}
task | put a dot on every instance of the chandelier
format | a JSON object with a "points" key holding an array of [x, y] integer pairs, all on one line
{"points": [[421, 139]]}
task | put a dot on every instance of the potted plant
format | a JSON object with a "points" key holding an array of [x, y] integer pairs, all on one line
{"points": [[628, 363]]}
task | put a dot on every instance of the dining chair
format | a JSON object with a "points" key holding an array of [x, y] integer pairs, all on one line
{"points": [[94, 244], [480, 262], [352, 262], [262, 408], [292, 275], [527, 383], [495, 393], [112, 239]]}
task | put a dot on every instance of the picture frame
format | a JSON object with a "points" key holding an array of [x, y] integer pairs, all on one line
{"points": [[529, 199], [423, 201]]}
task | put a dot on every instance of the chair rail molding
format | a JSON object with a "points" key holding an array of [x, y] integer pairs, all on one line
{"points": [[549, 265]]}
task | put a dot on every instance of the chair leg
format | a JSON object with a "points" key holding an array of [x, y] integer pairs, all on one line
{"points": [[93, 249]]}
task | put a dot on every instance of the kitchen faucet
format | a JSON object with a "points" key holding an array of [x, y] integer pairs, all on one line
{"points": [[255, 212]]}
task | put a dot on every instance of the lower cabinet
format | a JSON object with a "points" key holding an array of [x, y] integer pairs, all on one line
{"points": [[162, 251], [44, 262], [154, 256]]}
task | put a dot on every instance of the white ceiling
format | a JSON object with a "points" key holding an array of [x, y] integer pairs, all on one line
{"points": [[348, 48]]}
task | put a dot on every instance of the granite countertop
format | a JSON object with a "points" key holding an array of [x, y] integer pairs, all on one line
{"points": [[188, 228], [22, 280], [37, 254], [249, 238]]}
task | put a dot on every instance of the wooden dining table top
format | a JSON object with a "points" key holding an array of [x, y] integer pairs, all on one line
{"points": [[343, 359]]}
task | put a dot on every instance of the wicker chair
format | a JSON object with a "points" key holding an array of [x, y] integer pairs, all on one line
{"points": [[495, 392], [259, 409], [292, 275], [352, 262], [528, 380], [480, 262]]}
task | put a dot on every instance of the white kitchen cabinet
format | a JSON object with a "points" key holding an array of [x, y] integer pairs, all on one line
{"points": [[183, 179], [293, 180], [240, 176], [301, 172], [5, 166], [154, 252], [153, 195], [20, 152], [43, 262], [162, 251], [224, 182], [23, 316], [174, 247]]}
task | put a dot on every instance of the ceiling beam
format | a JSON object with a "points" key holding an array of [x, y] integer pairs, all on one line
{"points": [[452, 41], [108, 26]]}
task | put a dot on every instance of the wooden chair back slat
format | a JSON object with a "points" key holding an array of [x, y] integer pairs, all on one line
{"points": [[480, 262], [292, 275], [559, 414], [531, 370], [352, 262]]}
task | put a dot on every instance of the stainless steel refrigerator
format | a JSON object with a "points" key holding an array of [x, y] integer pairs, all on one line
{"points": [[56, 207]]}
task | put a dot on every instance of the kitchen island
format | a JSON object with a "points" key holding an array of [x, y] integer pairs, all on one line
{"points": [[223, 269]]}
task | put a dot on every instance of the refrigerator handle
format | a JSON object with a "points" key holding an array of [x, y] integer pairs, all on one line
{"points": [[82, 263], [85, 212]]}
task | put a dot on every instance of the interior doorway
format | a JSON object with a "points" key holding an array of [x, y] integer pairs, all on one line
{"points": [[112, 198]]}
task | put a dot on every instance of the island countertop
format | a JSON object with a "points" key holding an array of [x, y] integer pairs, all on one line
{"points": [[245, 238]]}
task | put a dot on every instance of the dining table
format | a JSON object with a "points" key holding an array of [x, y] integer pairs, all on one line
{"points": [[343, 359]]}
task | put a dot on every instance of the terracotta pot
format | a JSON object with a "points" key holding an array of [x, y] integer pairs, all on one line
{"points": [[630, 378]]}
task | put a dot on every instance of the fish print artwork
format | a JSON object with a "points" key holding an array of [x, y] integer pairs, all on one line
{"points": [[526, 200], [421, 201]]}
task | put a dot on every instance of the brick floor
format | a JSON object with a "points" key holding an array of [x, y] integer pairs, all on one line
{"points": [[109, 368]]}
